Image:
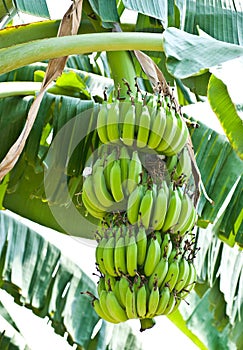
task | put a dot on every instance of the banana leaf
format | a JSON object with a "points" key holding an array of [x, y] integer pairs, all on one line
{"points": [[223, 21], [215, 309], [41, 278], [10, 336]]}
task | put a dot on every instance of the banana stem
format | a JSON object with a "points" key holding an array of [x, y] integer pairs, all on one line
{"points": [[121, 66], [23, 54], [17, 88]]}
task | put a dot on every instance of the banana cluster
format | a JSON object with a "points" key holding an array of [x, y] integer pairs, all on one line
{"points": [[146, 276], [114, 176], [161, 128], [138, 186], [160, 207]]}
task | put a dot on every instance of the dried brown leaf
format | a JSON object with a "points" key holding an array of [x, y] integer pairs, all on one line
{"points": [[68, 26]]}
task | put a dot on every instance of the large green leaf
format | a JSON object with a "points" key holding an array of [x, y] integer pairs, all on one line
{"points": [[221, 171], [10, 339], [188, 54], [158, 9], [11, 123], [216, 309], [226, 112], [36, 273], [36, 8], [107, 13], [221, 20]]}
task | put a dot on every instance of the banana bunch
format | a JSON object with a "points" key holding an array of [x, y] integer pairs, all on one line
{"points": [[134, 288], [138, 188], [114, 176], [161, 208], [161, 128]]}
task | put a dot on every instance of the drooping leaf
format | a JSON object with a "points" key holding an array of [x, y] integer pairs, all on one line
{"points": [[226, 112], [35, 8], [221, 170], [106, 13], [10, 338], [188, 54], [157, 9], [215, 309], [223, 21], [11, 123], [36, 273], [4, 313]]}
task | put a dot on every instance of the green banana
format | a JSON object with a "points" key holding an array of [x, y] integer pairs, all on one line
{"points": [[134, 173], [177, 304], [108, 256], [184, 167], [159, 273], [131, 255], [103, 305], [116, 182], [88, 190], [113, 121], [115, 309], [160, 209], [124, 285], [128, 129], [189, 223], [141, 301], [171, 304], [131, 309], [111, 158], [152, 256], [171, 163], [153, 301], [173, 212], [169, 133], [166, 246], [146, 208], [133, 204], [179, 139], [117, 293], [101, 285], [143, 128], [164, 298], [158, 236], [186, 208], [110, 282], [173, 255], [172, 275], [100, 312], [184, 270], [191, 280], [141, 239], [124, 163], [120, 256], [101, 124], [90, 208], [99, 254], [100, 188], [157, 128]]}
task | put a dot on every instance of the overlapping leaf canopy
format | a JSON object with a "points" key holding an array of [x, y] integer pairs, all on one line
{"points": [[197, 37]]}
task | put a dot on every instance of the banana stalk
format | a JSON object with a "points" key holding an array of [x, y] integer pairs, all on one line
{"points": [[39, 50], [121, 66]]}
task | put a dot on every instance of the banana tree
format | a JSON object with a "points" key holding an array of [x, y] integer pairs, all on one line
{"points": [[197, 52]]}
